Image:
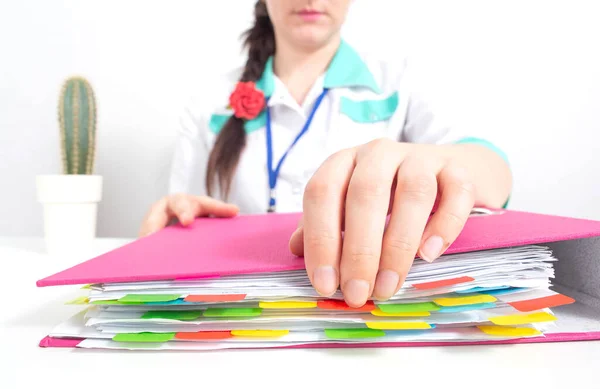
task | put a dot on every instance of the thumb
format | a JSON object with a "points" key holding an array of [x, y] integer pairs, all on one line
{"points": [[297, 240]]}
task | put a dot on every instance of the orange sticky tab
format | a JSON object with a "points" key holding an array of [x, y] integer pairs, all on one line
{"points": [[382, 325], [515, 320], [509, 331], [287, 304], [260, 333], [465, 300], [442, 283], [213, 298], [541, 303], [340, 305], [203, 335], [379, 312]]}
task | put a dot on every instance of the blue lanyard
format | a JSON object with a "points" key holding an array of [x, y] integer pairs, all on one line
{"points": [[274, 174]]}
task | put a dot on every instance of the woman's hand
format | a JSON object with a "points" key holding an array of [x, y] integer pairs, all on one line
{"points": [[356, 189], [185, 208]]}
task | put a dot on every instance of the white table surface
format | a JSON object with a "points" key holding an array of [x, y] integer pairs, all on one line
{"points": [[29, 313]]}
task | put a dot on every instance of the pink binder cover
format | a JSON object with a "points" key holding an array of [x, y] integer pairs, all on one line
{"points": [[259, 243], [52, 342]]}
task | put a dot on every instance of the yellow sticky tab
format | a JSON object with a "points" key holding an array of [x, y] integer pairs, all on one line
{"points": [[287, 304], [382, 325], [509, 331], [379, 312], [465, 300], [79, 301], [515, 320], [260, 333], [88, 286]]}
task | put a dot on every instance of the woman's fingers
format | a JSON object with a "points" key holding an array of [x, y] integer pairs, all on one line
{"points": [[367, 203], [415, 194], [184, 208], [297, 239], [156, 218], [456, 201], [322, 218]]}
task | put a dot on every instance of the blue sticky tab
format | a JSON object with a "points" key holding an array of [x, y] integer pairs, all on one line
{"points": [[505, 291], [463, 308], [482, 289], [179, 301]]}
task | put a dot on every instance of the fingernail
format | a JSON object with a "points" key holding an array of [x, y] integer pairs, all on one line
{"points": [[325, 278], [356, 292], [432, 248], [386, 284]]}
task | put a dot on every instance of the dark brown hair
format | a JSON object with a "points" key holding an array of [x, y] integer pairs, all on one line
{"points": [[225, 155]]}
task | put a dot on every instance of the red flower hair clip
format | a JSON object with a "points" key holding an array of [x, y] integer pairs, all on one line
{"points": [[246, 100]]}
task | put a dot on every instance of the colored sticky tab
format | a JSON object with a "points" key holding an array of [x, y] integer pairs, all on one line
{"points": [[509, 331], [408, 307], [148, 298], [500, 292], [541, 303], [88, 286], [146, 337], [260, 333], [399, 325], [340, 305], [79, 301], [287, 304], [213, 298], [353, 333], [443, 283], [482, 289], [112, 302], [232, 312], [203, 335], [515, 320], [379, 312], [173, 315], [463, 308], [465, 300]]}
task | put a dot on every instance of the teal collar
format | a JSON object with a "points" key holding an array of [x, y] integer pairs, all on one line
{"points": [[347, 69]]}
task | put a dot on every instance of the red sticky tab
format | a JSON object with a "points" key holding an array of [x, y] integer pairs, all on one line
{"points": [[541, 303], [203, 335], [340, 305], [213, 298], [442, 283]]}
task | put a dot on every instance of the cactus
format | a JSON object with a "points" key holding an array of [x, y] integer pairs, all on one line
{"points": [[77, 117]]}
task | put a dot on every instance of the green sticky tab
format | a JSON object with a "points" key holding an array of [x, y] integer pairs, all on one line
{"points": [[149, 298], [112, 302], [232, 312], [409, 307], [353, 333], [88, 286], [172, 315], [145, 337]]}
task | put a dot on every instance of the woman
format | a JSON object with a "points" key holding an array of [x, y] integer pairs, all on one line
{"points": [[311, 125]]}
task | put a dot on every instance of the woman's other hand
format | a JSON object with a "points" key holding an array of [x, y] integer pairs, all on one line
{"points": [[183, 208], [356, 189]]}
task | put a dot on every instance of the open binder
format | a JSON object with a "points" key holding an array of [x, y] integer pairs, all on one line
{"points": [[510, 277]]}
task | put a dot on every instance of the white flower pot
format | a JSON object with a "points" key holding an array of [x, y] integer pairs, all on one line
{"points": [[70, 209]]}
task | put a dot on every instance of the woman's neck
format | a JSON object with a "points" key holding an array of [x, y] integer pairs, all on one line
{"points": [[299, 68]]}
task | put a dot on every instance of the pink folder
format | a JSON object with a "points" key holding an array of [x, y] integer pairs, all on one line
{"points": [[259, 243]]}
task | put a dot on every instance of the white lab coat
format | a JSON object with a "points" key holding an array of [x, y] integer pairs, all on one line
{"points": [[368, 99]]}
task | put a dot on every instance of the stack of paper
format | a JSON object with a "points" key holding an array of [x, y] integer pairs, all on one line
{"points": [[233, 284]]}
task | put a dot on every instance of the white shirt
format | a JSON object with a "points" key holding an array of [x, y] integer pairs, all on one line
{"points": [[367, 99]]}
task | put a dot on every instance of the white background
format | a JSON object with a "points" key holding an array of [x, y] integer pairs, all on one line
{"points": [[525, 74]]}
